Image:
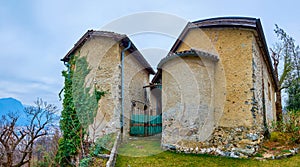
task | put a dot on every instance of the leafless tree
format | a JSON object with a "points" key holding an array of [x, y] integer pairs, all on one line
{"points": [[45, 148], [17, 141], [286, 51]]}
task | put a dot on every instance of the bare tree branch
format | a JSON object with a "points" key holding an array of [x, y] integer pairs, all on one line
{"points": [[18, 141]]}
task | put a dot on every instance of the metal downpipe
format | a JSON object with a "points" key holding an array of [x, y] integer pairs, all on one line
{"points": [[122, 84]]}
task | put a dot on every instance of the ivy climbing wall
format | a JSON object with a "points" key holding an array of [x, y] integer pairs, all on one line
{"points": [[98, 71]]}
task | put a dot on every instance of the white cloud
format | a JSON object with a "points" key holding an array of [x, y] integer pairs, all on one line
{"points": [[35, 35]]}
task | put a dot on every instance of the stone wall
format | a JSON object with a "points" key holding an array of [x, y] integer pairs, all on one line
{"points": [[155, 100], [261, 78], [239, 142], [237, 103], [233, 72], [104, 58], [135, 78]]}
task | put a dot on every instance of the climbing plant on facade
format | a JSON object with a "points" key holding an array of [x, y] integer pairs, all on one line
{"points": [[69, 124], [85, 98], [79, 110]]}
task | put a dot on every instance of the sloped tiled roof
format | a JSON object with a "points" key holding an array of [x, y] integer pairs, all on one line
{"points": [[239, 22], [185, 53], [122, 38]]}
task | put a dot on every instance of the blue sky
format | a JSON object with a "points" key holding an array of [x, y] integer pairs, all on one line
{"points": [[35, 35]]}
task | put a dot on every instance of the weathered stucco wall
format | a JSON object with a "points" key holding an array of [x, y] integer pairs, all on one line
{"points": [[135, 78], [234, 48], [237, 110], [262, 84], [103, 57], [188, 99], [155, 100]]}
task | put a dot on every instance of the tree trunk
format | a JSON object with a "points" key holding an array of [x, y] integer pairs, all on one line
{"points": [[278, 106], [9, 161], [30, 156]]}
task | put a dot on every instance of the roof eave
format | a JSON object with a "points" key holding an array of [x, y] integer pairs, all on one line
{"points": [[117, 37], [78, 44], [187, 53], [245, 22], [266, 55], [180, 38], [157, 76], [140, 58]]}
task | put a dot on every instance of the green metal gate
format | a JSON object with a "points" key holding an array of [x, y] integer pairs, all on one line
{"points": [[143, 123]]}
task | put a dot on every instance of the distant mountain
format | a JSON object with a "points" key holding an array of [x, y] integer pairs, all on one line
{"points": [[13, 106], [10, 105]]}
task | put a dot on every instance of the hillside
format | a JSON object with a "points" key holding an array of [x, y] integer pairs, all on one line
{"points": [[13, 106]]}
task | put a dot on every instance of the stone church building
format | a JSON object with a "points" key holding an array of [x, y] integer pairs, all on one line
{"points": [[215, 89]]}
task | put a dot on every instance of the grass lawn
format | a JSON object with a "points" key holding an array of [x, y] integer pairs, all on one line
{"points": [[140, 147], [146, 152], [179, 159]]}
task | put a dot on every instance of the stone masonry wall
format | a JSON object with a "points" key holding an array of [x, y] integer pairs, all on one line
{"points": [[103, 57], [135, 78], [231, 142], [260, 74], [234, 48], [238, 128]]}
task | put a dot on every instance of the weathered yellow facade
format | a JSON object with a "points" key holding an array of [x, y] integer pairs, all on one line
{"points": [[217, 86], [103, 57], [136, 77], [102, 51], [234, 48], [237, 91], [188, 97]]}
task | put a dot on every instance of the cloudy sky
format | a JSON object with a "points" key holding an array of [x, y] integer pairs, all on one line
{"points": [[36, 34]]}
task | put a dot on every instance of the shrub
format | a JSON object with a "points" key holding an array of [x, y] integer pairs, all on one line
{"points": [[258, 155], [289, 129], [103, 145], [85, 162]]}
